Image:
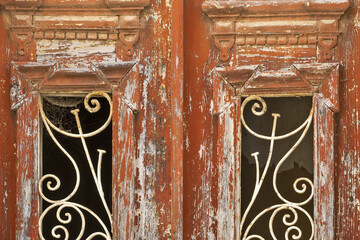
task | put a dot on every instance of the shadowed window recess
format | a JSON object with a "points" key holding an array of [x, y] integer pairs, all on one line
{"points": [[76, 183], [277, 168]]}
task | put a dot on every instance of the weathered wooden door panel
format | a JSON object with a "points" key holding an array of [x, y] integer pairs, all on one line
{"points": [[251, 58], [118, 47], [179, 74]]}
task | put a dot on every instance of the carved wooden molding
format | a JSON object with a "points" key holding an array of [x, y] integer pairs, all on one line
{"points": [[269, 23], [85, 20], [299, 79], [66, 77]]}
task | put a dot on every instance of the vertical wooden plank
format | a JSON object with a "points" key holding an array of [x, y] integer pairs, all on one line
{"points": [[324, 170], [27, 165], [200, 164], [348, 128], [176, 127], [237, 180], [228, 165], [158, 127], [7, 142], [226, 158], [123, 175], [153, 192]]}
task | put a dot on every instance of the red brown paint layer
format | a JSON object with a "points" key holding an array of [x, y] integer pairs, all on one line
{"points": [[7, 141], [348, 128], [200, 181], [151, 115]]}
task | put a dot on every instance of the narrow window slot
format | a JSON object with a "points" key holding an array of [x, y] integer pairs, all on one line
{"points": [[84, 203], [277, 192]]}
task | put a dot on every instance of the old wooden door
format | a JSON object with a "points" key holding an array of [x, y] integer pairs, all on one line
{"points": [[273, 50], [216, 119]]}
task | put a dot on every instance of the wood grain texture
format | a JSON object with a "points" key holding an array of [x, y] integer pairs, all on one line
{"points": [[7, 141], [293, 58], [347, 129], [177, 109], [27, 167], [200, 163], [324, 170], [123, 171], [176, 148], [158, 127], [147, 101], [228, 160]]}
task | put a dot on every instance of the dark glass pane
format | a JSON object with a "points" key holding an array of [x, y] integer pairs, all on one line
{"points": [[294, 112], [58, 110]]}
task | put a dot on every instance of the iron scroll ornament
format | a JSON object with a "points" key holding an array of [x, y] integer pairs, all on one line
{"points": [[53, 183], [259, 108]]}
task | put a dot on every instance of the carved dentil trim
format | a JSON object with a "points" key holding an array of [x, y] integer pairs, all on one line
{"points": [[120, 22], [269, 23]]}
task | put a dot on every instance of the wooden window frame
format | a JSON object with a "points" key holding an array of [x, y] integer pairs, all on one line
{"points": [[35, 79], [227, 111]]}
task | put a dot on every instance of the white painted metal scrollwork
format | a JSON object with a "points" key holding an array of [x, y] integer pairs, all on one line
{"points": [[259, 108], [54, 183]]}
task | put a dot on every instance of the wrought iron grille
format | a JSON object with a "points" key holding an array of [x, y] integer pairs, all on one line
{"points": [[277, 168], [71, 127]]}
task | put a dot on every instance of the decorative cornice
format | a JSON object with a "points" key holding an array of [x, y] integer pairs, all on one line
{"points": [[82, 20], [299, 79], [303, 22], [65, 77], [276, 7]]}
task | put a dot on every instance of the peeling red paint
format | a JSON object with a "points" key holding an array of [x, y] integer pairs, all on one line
{"points": [[176, 70], [7, 142]]}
